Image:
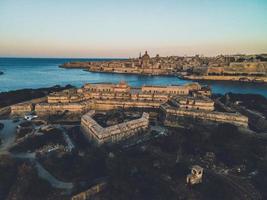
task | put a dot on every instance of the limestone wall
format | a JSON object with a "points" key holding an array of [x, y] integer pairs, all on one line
{"points": [[113, 104], [26, 106], [122, 92], [233, 118], [90, 192], [112, 134], [22, 108], [5, 110], [47, 107]]}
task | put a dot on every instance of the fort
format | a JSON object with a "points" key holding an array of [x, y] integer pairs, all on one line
{"points": [[112, 134], [106, 96], [198, 108], [172, 102], [21, 108]]}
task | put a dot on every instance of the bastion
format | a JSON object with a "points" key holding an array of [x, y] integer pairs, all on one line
{"points": [[112, 134], [178, 108]]}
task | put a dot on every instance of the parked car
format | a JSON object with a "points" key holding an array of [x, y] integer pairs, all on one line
{"points": [[30, 117]]}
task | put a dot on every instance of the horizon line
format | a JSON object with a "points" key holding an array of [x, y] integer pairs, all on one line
{"points": [[201, 55]]}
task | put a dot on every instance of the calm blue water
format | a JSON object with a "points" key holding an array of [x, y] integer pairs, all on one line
{"points": [[20, 73]]}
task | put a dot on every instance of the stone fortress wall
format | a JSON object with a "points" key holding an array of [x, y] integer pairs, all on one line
{"points": [[195, 102], [108, 96], [197, 109], [237, 68], [112, 134], [190, 100], [88, 194], [235, 71], [27, 106]]}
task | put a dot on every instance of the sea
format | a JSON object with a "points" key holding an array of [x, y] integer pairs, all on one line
{"points": [[21, 73]]}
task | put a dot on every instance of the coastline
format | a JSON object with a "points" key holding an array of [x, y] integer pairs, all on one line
{"points": [[252, 79], [22, 95], [128, 73]]}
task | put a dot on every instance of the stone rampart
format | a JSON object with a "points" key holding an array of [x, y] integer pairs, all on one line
{"points": [[50, 108], [233, 118], [21, 108], [112, 134], [90, 192]]}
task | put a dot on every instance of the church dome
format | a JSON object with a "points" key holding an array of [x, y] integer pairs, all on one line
{"points": [[145, 56]]}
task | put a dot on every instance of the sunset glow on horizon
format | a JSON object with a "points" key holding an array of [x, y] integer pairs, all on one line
{"points": [[119, 28]]}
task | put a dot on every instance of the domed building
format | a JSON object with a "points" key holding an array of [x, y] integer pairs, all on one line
{"points": [[145, 60]]}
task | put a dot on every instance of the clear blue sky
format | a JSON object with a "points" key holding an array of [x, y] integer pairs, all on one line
{"points": [[122, 28]]}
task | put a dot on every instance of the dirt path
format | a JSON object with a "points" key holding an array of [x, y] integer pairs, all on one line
{"points": [[8, 135]]}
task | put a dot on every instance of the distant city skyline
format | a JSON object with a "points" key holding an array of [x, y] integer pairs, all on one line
{"points": [[122, 29]]}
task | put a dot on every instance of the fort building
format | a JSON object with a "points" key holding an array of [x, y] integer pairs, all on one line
{"points": [[189, 100], [198, 108], [21, 108], [193, 102], [112, 134], [108, 96]]}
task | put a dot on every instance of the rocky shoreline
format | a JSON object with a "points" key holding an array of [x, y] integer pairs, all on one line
{"points": [[18, 96]]}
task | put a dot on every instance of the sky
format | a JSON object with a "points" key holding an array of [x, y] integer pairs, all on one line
{"points": [[123, 28]]}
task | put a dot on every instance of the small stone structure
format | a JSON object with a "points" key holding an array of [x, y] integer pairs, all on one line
{"points": [[112, 134], [196, 175], [90, 192]]}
